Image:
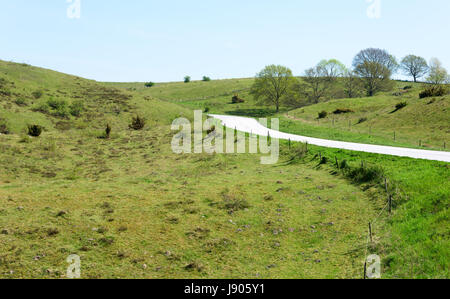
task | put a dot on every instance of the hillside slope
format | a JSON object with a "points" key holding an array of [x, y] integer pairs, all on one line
{"points": [[131, 208]]}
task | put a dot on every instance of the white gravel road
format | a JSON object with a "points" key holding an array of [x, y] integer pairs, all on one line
{"points": [[250, 125]]}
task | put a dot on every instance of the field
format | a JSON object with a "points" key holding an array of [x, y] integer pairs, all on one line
{"points": [[130, 208]]}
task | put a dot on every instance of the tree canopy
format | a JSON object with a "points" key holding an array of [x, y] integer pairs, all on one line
{"points": [[273, 85], [414, 66]]}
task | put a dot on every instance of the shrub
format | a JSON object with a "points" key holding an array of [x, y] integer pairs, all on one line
{"points": [[187, 79], [433, 91], [407, 87], [206, 79], [211, 130], [43, 108], [34, 130], [364, 174], [400, 106], [233, 201], [206, 109], [2, 82], [21, 102], [343, 111], [76, 108], [362, 120], [37, 94], [4, 128], [137, 123], [108, 131], [149, 84], [56, 104], [323, 114], [236, 99]]}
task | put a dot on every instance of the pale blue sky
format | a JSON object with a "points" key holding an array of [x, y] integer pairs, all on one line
{"points": [[117, 40]]}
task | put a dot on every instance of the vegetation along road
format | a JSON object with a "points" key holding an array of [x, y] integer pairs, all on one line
{"points": [[250, 125]]}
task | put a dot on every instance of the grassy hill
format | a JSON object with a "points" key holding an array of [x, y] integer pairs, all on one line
{"points": [[133, 209], [418, 227]]}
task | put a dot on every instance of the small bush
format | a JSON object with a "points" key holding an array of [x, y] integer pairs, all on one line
{"points": [[76, 108], [187, 79], [56, 104], [343, 111], [433, 91], [3, 82], [137, 123], [21, 102], [206, 79], [108, 131], [211, 130], [407, 87], [343, 164], [400, 106], [206, 109], [37, 94], [323, 114], [362, 120], [4, 128], [149, 84], [233, 202], [236, 99], [34, 130], [365, 174], [43, 108]]}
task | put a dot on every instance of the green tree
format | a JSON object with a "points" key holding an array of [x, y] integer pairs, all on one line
{"points": [[375, 67], [187, 79], [438, 74], [317, 83], [352, 84], [332, 68], [273, 85], [414, 66]]}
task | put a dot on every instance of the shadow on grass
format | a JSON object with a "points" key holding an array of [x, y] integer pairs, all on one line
{"points": [[264, 112]]}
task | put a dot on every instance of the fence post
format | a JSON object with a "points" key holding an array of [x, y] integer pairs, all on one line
{"points": [[390, 204], [365, 269], [386, 185], [289, 143], [337, 162], [370, 232]]}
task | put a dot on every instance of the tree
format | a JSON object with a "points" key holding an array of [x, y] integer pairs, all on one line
{"points": [[273, 85], [414, 66], [318, 82], [149, 84], [187, 79], [332, 68], [352, 84], [375, 67], [438, 74], [206, 79]]}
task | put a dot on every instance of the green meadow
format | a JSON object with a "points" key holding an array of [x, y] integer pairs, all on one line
{"points": [[131, 208]]}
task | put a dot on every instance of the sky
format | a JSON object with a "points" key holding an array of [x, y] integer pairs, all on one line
{"points": [[161, 41]]}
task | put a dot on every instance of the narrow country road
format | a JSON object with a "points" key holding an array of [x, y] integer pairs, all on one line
{"points": [[250, 125]]}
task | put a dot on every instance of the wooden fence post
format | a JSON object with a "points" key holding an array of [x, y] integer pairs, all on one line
{"points": [[370, 232], [390, 204], [386, 185]]}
